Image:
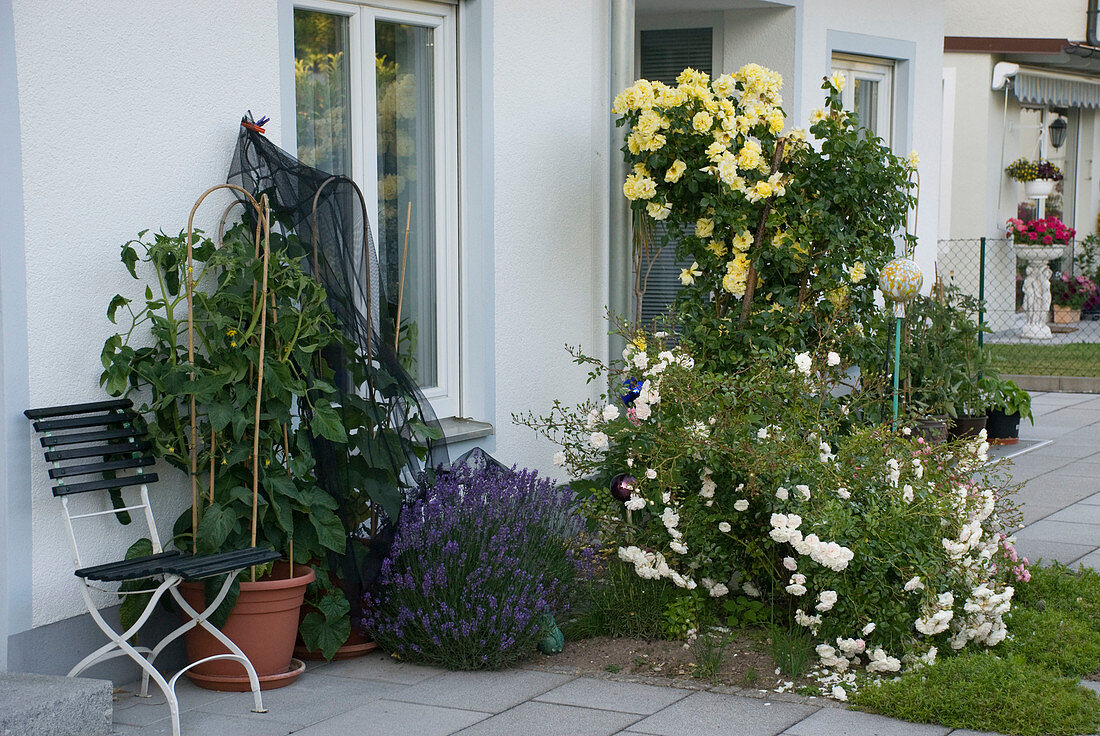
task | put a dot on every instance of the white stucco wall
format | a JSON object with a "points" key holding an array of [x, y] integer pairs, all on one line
{"points": [[129, 111], [551, 122], [764, 36], [1015, 18], [919, 22]]}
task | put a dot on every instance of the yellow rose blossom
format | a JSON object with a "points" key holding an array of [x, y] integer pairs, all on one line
{"points": [[838, 297], [714, 151], [760, 190], [633, 144], [736, 277], [775, 121], [687, 275], [639, 187], [912, 160], [702, 121], [658, 211], [675, 171], [704, 227], [817, 116], [749, 157], [724, 86], [837, 81], [857, 272], [717, 247], [692, 76], [742, 241], [640, 169], [727, 169]]}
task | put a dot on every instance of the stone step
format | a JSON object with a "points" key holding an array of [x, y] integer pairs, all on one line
{"points": [[50, 705]]}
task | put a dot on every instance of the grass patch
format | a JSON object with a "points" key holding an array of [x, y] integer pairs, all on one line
{"points": [[1075, 359], [620, 604], [988, 693], [1054, 640]]}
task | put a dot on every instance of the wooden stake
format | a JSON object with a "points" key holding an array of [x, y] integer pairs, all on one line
{"points": [[401, 283], [260, 375]]}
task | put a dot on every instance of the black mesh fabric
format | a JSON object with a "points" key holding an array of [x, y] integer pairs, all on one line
{"points": [[327, 216]]}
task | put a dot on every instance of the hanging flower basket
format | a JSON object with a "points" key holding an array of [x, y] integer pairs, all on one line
{"points": [[1039, 188]]}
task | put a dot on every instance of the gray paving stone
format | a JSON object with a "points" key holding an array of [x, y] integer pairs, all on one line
{"points": [[200, 722], [379, 666], [1063, 532], [837, 722], [313, 698], [391, 718], [131, 710], [491, 692], [1094, 686], [551, 719], [50, 705], [1033, 512], [1093, 500], [968, 732], [1078, 513], [1036, 549], [709, 713], [1092, 559], [627, 697]]}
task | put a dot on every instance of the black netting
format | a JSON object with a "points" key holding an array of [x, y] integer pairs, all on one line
{"points": [[326, 217]]}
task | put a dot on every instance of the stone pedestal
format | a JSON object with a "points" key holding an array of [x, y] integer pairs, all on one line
{"points": [[1037, 288]]}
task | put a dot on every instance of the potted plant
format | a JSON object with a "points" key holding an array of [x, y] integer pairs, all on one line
{"points": [[1069, 295], [244, 345], [1039, 177], [1008, 404], [1049, 231]]}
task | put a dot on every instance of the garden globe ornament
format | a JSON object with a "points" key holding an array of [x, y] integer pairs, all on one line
{"points": [[900, 281]]}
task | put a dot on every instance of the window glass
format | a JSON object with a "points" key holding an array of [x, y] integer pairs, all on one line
{"points": [[406, 132], [321, 90]]}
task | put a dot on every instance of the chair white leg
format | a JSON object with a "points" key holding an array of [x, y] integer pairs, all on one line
{"points": [[200, 619]]}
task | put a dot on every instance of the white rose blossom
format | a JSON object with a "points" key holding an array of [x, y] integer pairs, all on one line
{"points": [[740, 505]]}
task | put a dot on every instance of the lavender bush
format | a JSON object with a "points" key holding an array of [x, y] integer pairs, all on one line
{"points": [[474, 563]]}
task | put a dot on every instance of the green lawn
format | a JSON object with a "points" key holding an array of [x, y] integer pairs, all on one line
{"points": [[1077, 359]]}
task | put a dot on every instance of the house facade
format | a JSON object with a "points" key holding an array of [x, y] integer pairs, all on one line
{"points": [[480, 127], [1017, 83]]}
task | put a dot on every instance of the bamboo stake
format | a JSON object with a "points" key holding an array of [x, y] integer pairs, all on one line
{"points": [[401, 283], [212, 465], [286, 465], [260, 374]]}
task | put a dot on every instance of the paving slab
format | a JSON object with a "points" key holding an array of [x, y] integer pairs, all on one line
{"points": [[1078, 513], [314, 697], [1092, 559], [490, 692], [552, 719], [838, 722], [379, 666], [50, 705], [1063, 532], [968, 732], [200, 722], [391, 718], [710, 713], [1048, 552], [131, 710], [1093, 500], [627, 697]]}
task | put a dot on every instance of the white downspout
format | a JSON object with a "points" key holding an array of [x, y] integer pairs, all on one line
{"points": [[619, 260]]}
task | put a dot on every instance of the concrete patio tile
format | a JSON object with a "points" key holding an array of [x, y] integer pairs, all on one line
{"points": [[1062, 532], [838, 722], [627, 697], [551, 719], [380, 666], [1033, 512], [1093, 500], [200, 722], [1094, 686], [1078, 513], [313, 698], [390, 718], [968, 732], [134, 711], [1050, 552], [491, 692], [710, 713], [1092, 559]]}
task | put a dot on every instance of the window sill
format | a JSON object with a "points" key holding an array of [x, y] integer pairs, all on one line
{"points": [[461, 429]]}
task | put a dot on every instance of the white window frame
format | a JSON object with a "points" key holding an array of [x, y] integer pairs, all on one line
{"points": [[445, 394], [871, 69]]}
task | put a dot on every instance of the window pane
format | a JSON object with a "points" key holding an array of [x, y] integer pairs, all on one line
{"points": [[406, 187], [865, 92], [321, 90]]}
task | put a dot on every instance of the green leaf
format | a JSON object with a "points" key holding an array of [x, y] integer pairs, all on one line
{"points": [[323, 635], [326, 422], [330, 532], [216, 524], [117, 301], [130, 257]]}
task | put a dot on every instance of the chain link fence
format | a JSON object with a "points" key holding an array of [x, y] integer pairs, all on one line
{"points": [[1057, 341]]}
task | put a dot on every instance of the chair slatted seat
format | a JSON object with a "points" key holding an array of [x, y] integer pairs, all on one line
{"points": [[113, 456]]}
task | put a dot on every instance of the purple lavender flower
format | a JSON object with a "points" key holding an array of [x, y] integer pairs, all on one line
{"points": [[476, 559]]}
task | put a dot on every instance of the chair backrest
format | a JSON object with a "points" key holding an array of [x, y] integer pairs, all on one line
{"points": [[106, 440]]}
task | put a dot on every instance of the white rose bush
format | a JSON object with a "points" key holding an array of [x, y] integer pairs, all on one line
{"points": [[886, 551]]}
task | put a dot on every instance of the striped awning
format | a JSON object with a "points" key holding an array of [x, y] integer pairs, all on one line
{"points": [[1038, 87]]}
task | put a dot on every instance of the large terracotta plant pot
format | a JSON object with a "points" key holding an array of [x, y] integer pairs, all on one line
{"points": [[263, 623], [1065, 315]]}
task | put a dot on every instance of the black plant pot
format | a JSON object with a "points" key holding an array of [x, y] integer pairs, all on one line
{"points": [[966, 427], [1003, 429]]}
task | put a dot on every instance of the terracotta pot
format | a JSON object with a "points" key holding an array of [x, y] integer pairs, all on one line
{"points": [[932, 429], [263, 623], [1065, 315], [966, 427], [1003, 429]]}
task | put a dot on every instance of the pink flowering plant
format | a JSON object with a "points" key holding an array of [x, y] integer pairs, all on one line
{"points": [[1072, 291], [1048, 231], [763, 484]]}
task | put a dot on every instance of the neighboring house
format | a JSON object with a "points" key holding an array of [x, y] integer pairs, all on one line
{"points": [[1012, 70], [491, 117]]}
